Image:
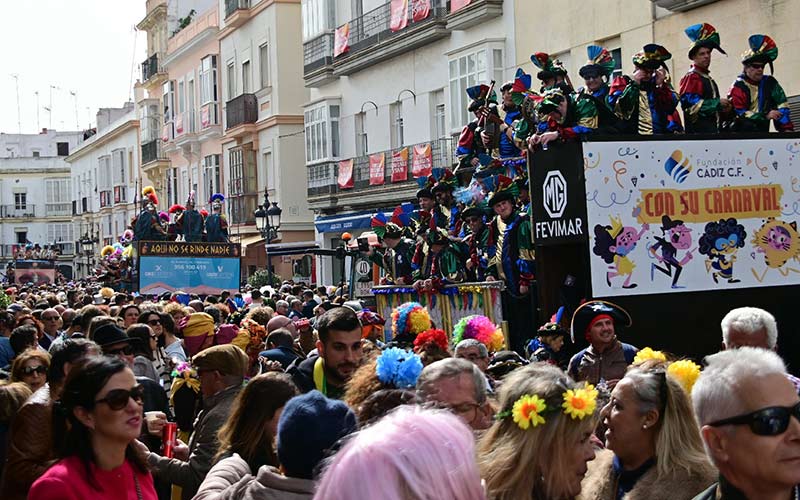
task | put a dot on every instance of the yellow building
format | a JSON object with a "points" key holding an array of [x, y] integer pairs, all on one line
{"points": [[567, 27]]}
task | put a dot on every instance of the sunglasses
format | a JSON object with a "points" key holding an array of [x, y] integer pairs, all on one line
{"points": [[770, 421], [30, 370], [125, 351], [154, 322], [118, 398]]}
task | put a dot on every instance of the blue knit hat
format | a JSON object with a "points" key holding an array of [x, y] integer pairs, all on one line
{"points": [[308, 428]]}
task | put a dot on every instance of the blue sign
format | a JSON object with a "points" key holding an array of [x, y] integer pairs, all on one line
{"points": [[200, 275]]}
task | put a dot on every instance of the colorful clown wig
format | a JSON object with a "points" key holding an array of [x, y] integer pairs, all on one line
{"points": [[408, 320], [106, 251], [481, 329]]}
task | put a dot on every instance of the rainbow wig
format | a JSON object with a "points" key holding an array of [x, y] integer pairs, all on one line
{"points": [[408, 320], [481, 329]]}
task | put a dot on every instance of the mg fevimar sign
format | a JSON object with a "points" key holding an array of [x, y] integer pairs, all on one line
{"points": [[554, 200]]}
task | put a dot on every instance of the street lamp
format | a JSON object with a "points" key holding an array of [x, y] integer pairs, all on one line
{"points": [[268, 221], [87, 245]]}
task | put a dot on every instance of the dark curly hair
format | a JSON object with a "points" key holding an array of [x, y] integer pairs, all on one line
{"points": [[722, 229], [603, 243]]}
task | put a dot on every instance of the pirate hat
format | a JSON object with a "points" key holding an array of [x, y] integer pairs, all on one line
{"points": [[504, 188], [550, 101], [762, 50], [586, 313], [600, 62], [425, 185], [652, 57], [702, 35], [480, 97], [443, 180], [549, 67], [476, 208]]}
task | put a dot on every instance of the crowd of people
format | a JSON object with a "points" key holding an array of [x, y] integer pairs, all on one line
{"points": [[294, 394]]}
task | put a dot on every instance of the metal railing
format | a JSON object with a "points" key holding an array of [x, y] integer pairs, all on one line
{"points": [[240, 110], [18, 211], [150, 67], [9, 251], [232, 6], [151, 151], [322, 178], [318, 52]]}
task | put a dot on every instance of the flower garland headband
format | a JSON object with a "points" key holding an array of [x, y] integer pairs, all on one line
{"points": [[528, 411], [684, 371]]}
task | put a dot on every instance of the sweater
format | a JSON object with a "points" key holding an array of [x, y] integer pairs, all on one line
{"points": [[230, 479], [66, 480]]}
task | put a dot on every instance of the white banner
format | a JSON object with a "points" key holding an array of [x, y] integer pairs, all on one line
{"points": [[672, 216]]}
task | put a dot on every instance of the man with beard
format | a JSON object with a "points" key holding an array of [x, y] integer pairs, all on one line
{"points": [[700, 97], [340, 354], [606, 358]]}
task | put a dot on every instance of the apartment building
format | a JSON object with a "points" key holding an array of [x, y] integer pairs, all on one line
{"points": [[388, 87], [35, 194], [105, 177]]}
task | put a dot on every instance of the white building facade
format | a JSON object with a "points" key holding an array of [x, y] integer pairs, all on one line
{"points": [[393, 87]]}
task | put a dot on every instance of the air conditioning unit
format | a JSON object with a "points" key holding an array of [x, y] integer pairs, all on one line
{"points": [[680, 5]]}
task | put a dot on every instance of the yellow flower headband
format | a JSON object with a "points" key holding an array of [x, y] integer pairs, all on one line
{"points": [[529, 409], [684, 371]]}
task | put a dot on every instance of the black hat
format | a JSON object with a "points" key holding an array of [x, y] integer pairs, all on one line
{"points": [[110, 334], [588, 311], [424, 193]]}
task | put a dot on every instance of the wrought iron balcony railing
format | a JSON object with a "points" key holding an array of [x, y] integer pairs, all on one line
{"points": [[241, 110]]}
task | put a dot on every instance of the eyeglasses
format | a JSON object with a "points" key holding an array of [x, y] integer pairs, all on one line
{"points": [[54, 318], [125, 351], [154, 322], [30, 370], [118, 398], [770, 421]]}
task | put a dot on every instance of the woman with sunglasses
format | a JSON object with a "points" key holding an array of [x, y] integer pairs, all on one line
{"points": [[31, 367], [654, 446], [100, 416], [161, 362]]}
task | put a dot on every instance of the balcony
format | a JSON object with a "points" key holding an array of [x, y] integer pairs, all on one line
{"points": [[237, 12], [210, 121], [241, 114], [202, 29], [57, 209], [152, 72], [680, 5], [324, 192], [477, 12], [18, 211], [318, 60], [154, 160], [372, 41]]}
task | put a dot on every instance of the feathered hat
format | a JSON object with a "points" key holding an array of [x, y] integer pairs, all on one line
{"points": [[762, 50], [176, 208], [190, 198], [217, 199], [163, 215], [204, 212], [443, 180], [476, 208], [149, 194], [702, 35], [383, 227], [481, 329], [550, 102], [480, 97], [652, 57], [437, 236], [408, 320], [600, 62], [502, 188], [522, 95], [548, 66], [425, 186]]}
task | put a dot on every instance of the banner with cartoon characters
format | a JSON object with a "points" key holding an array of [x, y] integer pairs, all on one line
{"points": [[692, 215]]}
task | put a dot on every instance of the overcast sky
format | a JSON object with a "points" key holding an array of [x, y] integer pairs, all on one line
{"points": [[82, 46]]}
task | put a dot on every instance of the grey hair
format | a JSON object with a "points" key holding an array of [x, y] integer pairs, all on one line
{"points": [[467, 343], [450, 368], [716, 394], [750, 320], [281, 303]]}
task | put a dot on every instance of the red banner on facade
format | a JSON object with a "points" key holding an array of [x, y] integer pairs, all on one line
{"points": [[205, 116], [458, 4], [420, 9], [345, 179], [341, 40], [422, 164], [400, 165], [377, 169], [399, 15]]}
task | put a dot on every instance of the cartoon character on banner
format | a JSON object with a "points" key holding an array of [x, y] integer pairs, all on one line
{"points": [[780, 243], [675, 236], [720, 242], [614, 244]]}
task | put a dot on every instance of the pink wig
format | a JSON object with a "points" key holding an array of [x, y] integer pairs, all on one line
{"points": [[412, 453]]}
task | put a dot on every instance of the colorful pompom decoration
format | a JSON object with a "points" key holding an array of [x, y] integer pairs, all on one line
{"points": [[398, 368], [408, 320], [432, 336], [481, 329]]}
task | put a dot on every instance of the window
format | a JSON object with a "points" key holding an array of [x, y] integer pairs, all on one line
{"points": [[269, 168], [322, 133], [190, 106], [438, 127], [617, 55], [118, 166], [22, 237], [263, 65], [242, 189], [246, 77], [36, 153], [57, 199], [211, 174], [396, 125], [60, 232], [208, 79], [318, 17], [468, 70], [362, 142], [169, 101], [151, 123], [181, 97], [231, 75], [195, 178], [62, 148], [21, 201]]}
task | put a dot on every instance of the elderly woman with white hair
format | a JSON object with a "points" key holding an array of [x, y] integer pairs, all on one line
{"points": [[749, 414]]}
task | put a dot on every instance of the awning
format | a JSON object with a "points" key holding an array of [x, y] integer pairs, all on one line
{"points": [[247, 241], [345, 222]]}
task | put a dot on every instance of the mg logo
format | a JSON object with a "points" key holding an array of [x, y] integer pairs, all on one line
{"points": [[554, 194]]}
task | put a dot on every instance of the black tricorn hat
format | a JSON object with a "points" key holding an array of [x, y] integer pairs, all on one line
{"points": [[587, 311]]}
